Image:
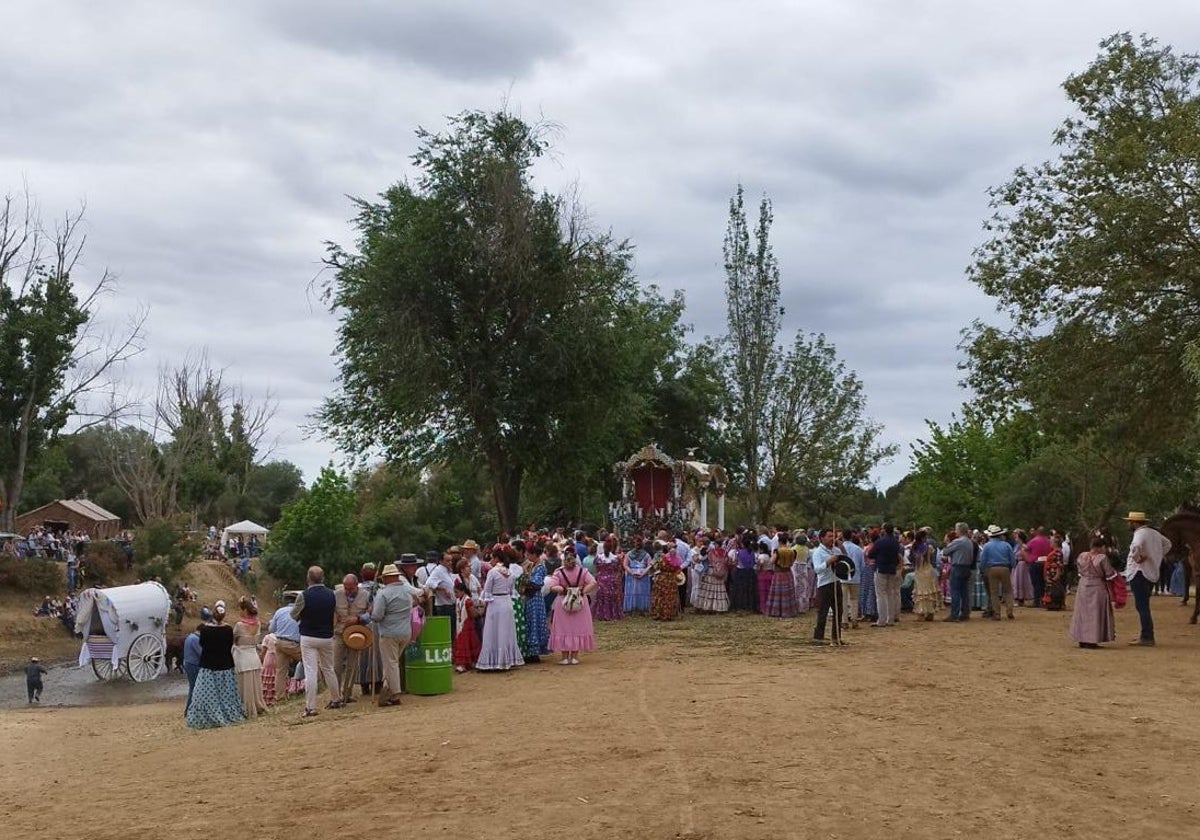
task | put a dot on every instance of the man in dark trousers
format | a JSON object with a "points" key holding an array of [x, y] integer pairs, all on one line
{"points": [[33, 679]]}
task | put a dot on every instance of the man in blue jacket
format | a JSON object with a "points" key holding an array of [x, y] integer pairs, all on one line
{"points": [[885, 554], [997, 559]]}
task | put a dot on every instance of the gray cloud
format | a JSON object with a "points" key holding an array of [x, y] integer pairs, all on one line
{"points": [[461, 40], [215, 145]]}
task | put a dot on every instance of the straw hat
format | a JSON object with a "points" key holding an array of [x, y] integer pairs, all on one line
{"points": [[390, 570], [470, 545], [358, 637], [995, 531], [1136, 516]]}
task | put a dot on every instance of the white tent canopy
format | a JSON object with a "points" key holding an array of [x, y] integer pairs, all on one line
{"points": [[244, 528]]}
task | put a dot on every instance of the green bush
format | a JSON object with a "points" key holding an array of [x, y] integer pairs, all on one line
{"points": [[103, 563], [31, 574], [161, 548]]}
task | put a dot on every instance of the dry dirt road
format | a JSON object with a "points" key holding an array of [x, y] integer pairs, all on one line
{"points": [[707, 728]]}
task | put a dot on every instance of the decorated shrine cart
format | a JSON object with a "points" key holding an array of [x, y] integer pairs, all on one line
{"points": [[661, 493], [122, 629]]}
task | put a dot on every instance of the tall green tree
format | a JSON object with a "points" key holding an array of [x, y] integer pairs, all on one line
{"points": [[794, 416], [1093, 257], [318, 529], [959, 470], [481, 318], [52, 359], [753, 315]]}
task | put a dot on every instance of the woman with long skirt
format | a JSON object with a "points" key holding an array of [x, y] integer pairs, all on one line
{"points": [[1022, 583], [215, 700], [781, 597], [927, 597], [637, 564], [867, 609], [743, 595], [803, 577], [608, 575], [711, 595], [1055, 576], [664, 588], [537, 631], [499, 650], [246, 663], [571, 630], [1092, 621], [766, 575], [269, 658]]}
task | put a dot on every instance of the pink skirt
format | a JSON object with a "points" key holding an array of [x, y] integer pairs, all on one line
{"points": [[1022, 583], [764, 589], [571, 630]]}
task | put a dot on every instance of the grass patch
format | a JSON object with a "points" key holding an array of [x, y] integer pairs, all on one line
{"points": [[728, 634]]}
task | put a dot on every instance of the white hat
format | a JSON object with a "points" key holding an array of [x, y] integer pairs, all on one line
{"points": [[995, 531], [219, 607]]}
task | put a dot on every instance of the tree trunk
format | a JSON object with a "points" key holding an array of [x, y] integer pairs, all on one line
{"points": [[506, 488], [16, 480]]}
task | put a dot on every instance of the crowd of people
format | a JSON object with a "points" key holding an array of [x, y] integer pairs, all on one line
{"points": [[523, 598]]}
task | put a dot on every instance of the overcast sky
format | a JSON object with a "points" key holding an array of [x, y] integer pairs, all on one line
{"points": [[215, 145]]}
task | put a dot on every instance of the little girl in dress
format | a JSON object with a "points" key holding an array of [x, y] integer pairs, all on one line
{"points": [[466, 644]]}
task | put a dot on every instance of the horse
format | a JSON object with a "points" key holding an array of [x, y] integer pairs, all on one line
{"points": [[174, 655], [1181, 529]]}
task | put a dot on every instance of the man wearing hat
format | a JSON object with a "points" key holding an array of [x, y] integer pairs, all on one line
{"points": [[997, 560], [33, 679], [1146, 552], [470, 550], [391, 613]]}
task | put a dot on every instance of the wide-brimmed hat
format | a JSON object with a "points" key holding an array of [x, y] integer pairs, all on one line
{"points": [[409, 560], [358, 637], [995, 531], [34, 659], [1136, 516], [390, 570], [470, 545]]}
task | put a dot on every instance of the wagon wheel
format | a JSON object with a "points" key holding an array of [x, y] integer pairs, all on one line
{"points": [[146, 657], [103, 668]]}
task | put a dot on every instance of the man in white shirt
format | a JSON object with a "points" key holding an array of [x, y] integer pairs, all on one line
{"points": [[433, 559], [824, 558], [1146, 553], [440, 582]]}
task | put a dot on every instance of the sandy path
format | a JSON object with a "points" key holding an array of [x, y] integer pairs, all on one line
{"points": [[994, 730]]}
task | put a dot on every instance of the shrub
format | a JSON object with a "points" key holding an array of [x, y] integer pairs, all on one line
{"points": [[161, 548], [31, 574], [103, 562]]}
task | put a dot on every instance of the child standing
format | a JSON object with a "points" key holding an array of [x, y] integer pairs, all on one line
{"points": [[33, 679], [466, 644]]}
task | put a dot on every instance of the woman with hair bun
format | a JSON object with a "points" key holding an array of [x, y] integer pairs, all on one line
{"points": [[499, 649], [246, 664]]}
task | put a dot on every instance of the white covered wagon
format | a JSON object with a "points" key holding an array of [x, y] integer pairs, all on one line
{"points": [[122, 629]]}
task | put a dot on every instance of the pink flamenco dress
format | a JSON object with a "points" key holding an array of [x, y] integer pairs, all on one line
{"points": [[572, 631], [268, 669]]}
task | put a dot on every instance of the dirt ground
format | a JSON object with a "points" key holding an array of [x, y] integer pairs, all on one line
{"points": [[713, 727]]}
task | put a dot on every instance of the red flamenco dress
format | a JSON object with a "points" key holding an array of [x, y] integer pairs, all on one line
{"points": [[466, 644]]}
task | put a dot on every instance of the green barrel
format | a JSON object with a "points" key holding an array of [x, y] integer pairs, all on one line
{"points": [[430, 671]]}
